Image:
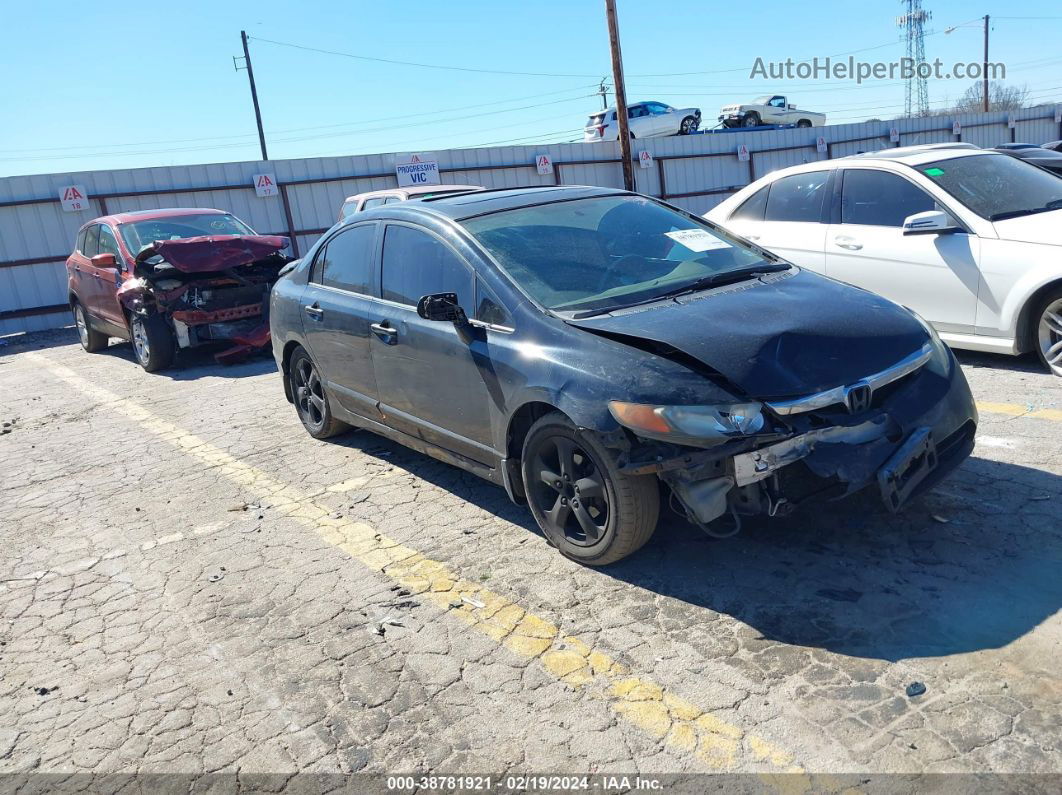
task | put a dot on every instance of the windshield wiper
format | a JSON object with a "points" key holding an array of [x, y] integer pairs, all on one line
{"points": [[704, 283], [1054, 204], [723, 277]]}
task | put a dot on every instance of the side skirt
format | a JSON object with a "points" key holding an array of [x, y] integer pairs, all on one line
{"points": [[495, 475]]}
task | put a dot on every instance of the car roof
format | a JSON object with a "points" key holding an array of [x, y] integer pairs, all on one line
{"points": [[908, 155], [413, 190], [460, 206], [612, 108], [1035, 153], [151, 215]]}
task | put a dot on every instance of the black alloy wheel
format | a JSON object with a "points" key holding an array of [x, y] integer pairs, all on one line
{"points": [[571, 491], [588, 508], [311, 400]]}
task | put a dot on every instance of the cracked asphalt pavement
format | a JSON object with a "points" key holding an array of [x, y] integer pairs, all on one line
{"points": [[191, 584]]}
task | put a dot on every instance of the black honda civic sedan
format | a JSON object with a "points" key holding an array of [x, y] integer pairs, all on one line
{"points": [[592, 350]]}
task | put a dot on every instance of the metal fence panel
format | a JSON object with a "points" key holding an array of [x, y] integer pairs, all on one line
{"points": [[695, 172]]}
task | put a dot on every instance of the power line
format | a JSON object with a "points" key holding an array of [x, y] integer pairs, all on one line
{"points": [[290, 130], [414, 63], [345, 133]]}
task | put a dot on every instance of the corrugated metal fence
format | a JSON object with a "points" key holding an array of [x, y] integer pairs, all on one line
{"points": [[696, 172]]}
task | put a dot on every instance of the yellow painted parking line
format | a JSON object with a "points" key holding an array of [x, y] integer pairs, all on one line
{"points": [[1014, 410], [680, 725]]}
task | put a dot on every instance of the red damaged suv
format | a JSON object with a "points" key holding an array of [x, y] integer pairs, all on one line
{"points": [[171, 279]]}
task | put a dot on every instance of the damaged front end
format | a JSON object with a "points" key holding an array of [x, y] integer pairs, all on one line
{"points": [[903, 429], [209, 289]]}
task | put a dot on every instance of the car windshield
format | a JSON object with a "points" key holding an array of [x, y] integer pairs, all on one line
{"points": [[761, 100], [996, 187], [606, 252], [143, 233]]}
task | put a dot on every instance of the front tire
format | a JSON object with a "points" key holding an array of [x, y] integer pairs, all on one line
{"points": [[91, 340], [689, 126], [1048, 334], [311, 398], [752, 119], [153, 342], [590, 510]]}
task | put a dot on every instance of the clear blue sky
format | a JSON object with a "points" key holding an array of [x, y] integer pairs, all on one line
{"points": [[127, 84]]}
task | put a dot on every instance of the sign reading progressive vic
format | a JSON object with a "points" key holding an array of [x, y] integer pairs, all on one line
{"points": [[413, 170]]}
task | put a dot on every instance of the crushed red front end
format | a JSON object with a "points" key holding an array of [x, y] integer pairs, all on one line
{"points": [[209, 289]]}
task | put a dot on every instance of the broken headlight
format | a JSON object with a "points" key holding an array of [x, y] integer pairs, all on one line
{"points": [[940, 364], [700, 426]]}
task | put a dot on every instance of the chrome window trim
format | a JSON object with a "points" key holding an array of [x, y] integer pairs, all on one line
{"points": [[839, 395]]}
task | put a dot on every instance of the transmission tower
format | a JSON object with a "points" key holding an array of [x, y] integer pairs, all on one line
{"points": [[913, 23]]}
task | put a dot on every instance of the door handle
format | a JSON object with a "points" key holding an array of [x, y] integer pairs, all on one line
{"points": [[314, 310], [849, 243], [387, 334]]}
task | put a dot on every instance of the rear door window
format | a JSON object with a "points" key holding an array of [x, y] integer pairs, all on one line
{"points": [[346, 261], [416, 263], [878, 198], [797, 198], [376, 201]]}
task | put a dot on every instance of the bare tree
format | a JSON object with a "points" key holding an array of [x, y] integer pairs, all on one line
{"points": [[1000, 97]]}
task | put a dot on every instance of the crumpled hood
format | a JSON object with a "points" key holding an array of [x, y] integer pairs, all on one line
{"points": [[213, 252], [784, 337], [1043, 228]]}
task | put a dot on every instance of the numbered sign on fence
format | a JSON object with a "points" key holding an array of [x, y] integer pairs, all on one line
{"points": [[743, 153], [264, 185], [544, 164], [645, 159], [74, 198]]}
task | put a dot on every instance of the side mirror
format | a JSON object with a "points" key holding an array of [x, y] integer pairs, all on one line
{"points": [[107, 260], [443, 307], [931, 222]]}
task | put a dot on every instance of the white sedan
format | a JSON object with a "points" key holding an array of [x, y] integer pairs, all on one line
{"points": [[969, 239], [645, 119]]}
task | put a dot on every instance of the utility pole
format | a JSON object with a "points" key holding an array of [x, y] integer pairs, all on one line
{"points": [[621, 95], [604, 94], [985, 74], [254, 91]]}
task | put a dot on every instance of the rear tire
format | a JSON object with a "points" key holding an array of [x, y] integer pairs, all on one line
{"points": [[803, 123], [590, 510], [153, 342], [91, 340], [311, 398], [1047, 334]]}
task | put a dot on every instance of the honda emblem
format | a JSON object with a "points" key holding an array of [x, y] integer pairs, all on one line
{"points": [[857, 398]]}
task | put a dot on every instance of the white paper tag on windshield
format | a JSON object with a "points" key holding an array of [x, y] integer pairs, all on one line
{"points": [[697, 239]]}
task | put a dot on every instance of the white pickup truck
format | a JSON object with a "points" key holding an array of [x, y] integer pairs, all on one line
{"points": [[769, 110]]}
